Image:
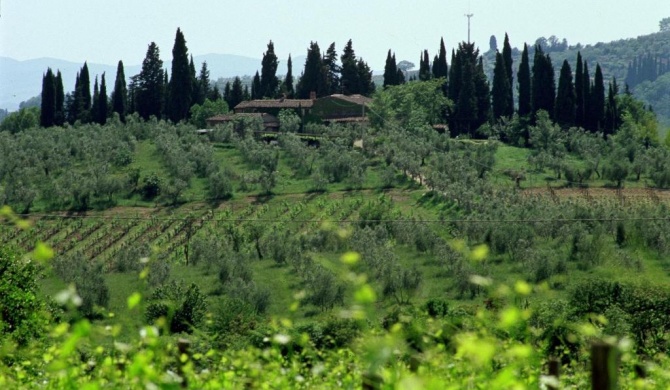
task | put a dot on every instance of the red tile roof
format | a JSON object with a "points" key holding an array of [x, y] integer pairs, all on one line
{"points": [[278, 103]]}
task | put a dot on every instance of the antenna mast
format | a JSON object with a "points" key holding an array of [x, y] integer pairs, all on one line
{"points": [[469, 16]]}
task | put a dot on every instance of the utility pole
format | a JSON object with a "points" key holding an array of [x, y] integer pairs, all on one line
{"points": [[469, 16]]}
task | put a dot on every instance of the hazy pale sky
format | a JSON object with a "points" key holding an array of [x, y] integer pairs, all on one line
{"points": [[105, 31]]}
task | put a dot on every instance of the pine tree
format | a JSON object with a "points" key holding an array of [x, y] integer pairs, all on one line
{"points": [[287, 84], [543, 95], [579, 92], [181, 86], [237, 94], [103, 103], [120, 93], [523, 76], [314, 75], [390, 70], [565, 98], [269, 80], [203, 84], [60, 113], [150, 88], [507, 57], [256, 91], [333, 70], [502, 104], [48, 105], [350, 73], [597, 98], [424, 67]]}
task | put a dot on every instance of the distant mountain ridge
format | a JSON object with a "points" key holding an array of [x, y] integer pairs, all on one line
{"points": [[21, 80]]}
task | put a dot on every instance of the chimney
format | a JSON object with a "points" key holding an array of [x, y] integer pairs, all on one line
{"points": [[312, 95]]}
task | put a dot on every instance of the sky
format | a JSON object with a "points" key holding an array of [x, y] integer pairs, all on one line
{"points": [[106, 31]]}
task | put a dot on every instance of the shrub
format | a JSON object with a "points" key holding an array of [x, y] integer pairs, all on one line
{"points": [[183, 307]]}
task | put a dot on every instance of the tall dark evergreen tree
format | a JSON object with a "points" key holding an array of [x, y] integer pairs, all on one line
{"points": [[503, 106], [287, 85], [204, 87], [60, 113], [194, 80], [612, 109], [48, 105], [246, 94], [586, 96], [565, 98], [120, 93], [466, 105], [455, 78], [597, 108], [181, 81], [523, 77], [269, 80], [507, 56], [544, 86], [96, 101], [351, 81], [150, 84], [227, 94], [424, 67], [333, 70], [483, 92], [441, 67], [85, 91], [580, 105], [366, 86], [390, 70], [73, 105], [103, 104], [256, 91], [237, 94], [314, 76]]}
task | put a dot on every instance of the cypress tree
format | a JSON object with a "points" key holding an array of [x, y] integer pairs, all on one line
{"points": [[350, 79], [483, 92], [579, 91], [102, 102], [502, 104], [366, 86], [287, 84], [246, 94], [203, 84], [440, 66], [597, 109], [74, 103], [96, 101], [120, 93], [314, 75], [150, 88], [181, 86], [333, 70], [466, 105], [565, 97], [194, 80], [269, 80], [424, 67], [586, 96], [227, 94], [85, 89], [455, 76], [400, 77], [256, 92], [237, 95], [390, 70], [612, 110], [60, 101], [48, 105], [544, 86], [507, 57], [523, 76]]}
